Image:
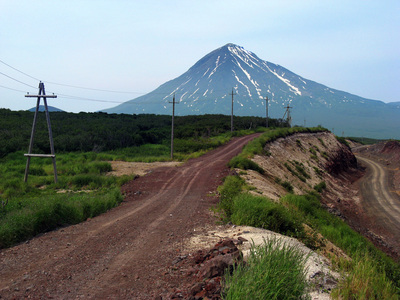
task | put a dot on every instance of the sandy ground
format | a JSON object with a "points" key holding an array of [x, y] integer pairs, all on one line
{"points": [[138, 168]]}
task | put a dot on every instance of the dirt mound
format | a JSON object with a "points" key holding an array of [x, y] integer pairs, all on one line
{"points": [[388, 150], [391, 149]]}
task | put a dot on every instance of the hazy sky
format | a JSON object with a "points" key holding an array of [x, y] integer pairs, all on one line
{"points": [[135, 46]]}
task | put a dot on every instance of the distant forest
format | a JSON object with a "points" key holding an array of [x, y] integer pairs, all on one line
{"points": [[103, 132]]}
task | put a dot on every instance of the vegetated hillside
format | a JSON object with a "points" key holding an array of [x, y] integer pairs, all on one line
{"points": [[105, 132], [305, 161]]}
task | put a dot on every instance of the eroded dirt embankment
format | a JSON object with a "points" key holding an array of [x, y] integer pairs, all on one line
{"points": [[324, 159]]}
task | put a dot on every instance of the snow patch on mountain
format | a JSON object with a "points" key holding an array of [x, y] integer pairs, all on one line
{"points": [[286, 81]]}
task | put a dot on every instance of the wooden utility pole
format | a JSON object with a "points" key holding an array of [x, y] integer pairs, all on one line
{"points": [[232, 94], [172, 128], [288, 116], [266, 111], [41, 94]]}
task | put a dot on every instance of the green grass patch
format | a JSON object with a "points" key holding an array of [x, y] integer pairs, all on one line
{"points": [[30, 216], [274, 270], [261, 212], [343, 141], [365, 279], [233, 186]]}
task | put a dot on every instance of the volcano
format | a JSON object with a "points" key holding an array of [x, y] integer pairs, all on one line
{"points": [[234, 72]]}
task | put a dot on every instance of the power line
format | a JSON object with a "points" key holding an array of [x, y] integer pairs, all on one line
{"points": [[12, 89], [17, 80], [88, 99], [94, 89], [67, 85], [18, 70]]}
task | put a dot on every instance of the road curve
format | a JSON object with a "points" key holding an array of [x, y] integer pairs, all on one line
{"points": [[378, 200], [126, 253]]}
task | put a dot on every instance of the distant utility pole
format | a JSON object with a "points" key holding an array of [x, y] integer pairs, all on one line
{"points": [[287, 114], [266, 111], [172, 128], [232, 94], [41, 94]]}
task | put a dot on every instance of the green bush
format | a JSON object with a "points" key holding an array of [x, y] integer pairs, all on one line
{"points": [[274, 270], [244, 163], [320, 187], [287, 185]]}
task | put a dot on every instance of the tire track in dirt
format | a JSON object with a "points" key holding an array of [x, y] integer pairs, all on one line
{"points": [[124, 253]]}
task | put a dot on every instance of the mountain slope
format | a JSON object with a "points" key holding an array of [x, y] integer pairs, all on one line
{"points": [[50, 108], [207, 86]]}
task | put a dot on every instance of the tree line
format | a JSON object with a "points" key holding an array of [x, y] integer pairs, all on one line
{"points": [[103, 132]]}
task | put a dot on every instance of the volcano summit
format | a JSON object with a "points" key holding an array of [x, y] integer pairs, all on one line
{"points": [[205, 89]]}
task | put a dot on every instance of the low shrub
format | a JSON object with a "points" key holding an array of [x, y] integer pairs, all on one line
{"points": [[274, 270], [244, 163], [320, 187], [288, 186]]}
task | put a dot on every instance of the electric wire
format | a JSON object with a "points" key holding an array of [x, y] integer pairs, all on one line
{"points": [[8, 88], [18, 70], [94, 89], [18, 80], [65, 96]]}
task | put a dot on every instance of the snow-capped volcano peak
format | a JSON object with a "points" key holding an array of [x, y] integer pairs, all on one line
{"points": [[206, 89]]}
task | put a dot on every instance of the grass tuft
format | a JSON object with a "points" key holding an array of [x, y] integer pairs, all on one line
{"points": [[274, 270]]}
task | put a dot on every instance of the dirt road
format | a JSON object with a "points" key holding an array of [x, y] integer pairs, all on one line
{"points": [[128, 252], [378, 199]]}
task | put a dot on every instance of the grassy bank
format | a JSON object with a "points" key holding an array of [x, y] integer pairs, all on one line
{"points": [[370, 274], [370, 270]]}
